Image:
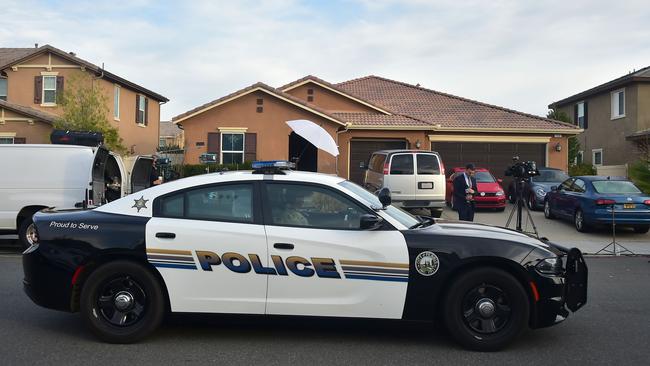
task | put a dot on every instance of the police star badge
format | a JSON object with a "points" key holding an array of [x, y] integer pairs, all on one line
{"points": [[140, 203]]}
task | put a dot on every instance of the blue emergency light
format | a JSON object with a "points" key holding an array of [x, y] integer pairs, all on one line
{"points": [[270, 166]]}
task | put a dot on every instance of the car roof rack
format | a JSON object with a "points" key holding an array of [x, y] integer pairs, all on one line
{"points": [[272, 166]]}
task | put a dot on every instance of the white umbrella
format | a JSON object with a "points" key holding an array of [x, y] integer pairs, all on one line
{"points": [[314, 134]]}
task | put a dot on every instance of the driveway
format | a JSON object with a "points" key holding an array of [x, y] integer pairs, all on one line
{"points": [[563, 232]]}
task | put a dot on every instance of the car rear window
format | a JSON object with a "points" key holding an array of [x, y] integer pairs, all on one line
{"points": [[401, 164], [615, 187], [428, 164]]}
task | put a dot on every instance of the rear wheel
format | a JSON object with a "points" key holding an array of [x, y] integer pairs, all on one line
{"points": [[122, 302], [547, 210], [486, 309], [579, 221], [641, 229]]}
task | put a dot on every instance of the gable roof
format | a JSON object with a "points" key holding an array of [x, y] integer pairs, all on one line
{"points": [[642, 75], [446, 112], [266, 89], [13, 56], [333, 88], [27, 111], [169, 129], [370, 121]]}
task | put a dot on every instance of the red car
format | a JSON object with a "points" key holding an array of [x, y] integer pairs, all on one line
{"points": [[490, 193]]}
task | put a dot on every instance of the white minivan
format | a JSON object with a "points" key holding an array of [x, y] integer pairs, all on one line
{"points": [[34, 177], [416, 178]]}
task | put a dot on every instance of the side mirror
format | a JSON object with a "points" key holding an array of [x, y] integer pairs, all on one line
{"points": [[384, 197], [553, 188], [499, 180], [370, 222]]}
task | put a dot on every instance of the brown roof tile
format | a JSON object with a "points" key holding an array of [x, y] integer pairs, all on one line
{"points": [[30, 112], [449, 111], [381, 120], [169, 129], [9, 55]]}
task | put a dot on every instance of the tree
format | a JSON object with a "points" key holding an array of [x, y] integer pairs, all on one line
{"points": [[85, 108], [574, 144]]}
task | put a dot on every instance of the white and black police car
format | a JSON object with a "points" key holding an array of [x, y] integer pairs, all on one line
{"points": [[280, 242]]}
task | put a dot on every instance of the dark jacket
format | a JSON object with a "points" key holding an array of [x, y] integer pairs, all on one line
{"points": [[460, 185]]}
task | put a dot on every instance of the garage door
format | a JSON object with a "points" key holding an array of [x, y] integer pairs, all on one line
{"points": [[360, 151], [494, 156]]}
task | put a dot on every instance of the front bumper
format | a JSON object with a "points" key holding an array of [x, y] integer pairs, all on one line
{"points": [[490, 202]]}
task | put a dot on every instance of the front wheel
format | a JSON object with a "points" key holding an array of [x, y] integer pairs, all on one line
{"points": [[547, 210], [486, 309], [532, 202], [122, 302]]}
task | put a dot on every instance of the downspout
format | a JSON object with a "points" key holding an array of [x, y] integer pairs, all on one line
{"points": [[336, 165]]}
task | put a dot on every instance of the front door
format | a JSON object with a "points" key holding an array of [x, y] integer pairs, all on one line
{"points": [[323, 263], [303, 153], [207, 243]]}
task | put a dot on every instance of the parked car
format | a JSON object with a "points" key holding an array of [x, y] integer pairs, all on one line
{"points": [[62, 176], [490, 193], [416, 178], [537, 187], [334, 250], [588, 201]]}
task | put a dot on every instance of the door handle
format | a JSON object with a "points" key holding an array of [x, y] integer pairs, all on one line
{"points": [[283, 246], [165, 235]]}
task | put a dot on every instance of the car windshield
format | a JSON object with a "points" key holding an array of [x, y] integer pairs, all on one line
{"points": [[550, 176], [371, 200], [615, 187], [484, 177]]}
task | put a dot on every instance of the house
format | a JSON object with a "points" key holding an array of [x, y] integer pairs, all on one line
{"points": [[171, 136], [31, 79], [364, 115], [615, 117]]}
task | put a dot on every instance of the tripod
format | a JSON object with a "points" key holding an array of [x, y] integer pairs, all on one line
{"points": [[613, 243], [519, 206]]}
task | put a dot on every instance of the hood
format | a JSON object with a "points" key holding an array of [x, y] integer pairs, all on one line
{"points": [[488, 187]]}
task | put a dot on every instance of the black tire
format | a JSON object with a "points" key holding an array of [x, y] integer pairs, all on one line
{"points": [[148, 303], [531, 202], [463, 322], [579, 221], [26, 231], [642, 229], [547, 210]]}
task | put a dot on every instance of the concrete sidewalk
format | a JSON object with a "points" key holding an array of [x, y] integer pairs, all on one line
{"points": [[563, 232]]}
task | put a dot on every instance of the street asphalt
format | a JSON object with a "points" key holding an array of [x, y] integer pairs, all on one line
{"points": [[613, 328]]}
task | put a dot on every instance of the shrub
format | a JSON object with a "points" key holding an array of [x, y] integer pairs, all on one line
{"points": [[639, 173], [582, 169], [189, 170]]}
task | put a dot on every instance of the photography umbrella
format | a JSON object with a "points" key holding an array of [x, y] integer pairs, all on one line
{"points": [[315, 134]]}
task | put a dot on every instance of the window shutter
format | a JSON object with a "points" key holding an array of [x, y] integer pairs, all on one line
{"points": [[586, 117], [20, 140], [38, 89], [137, 108], [250, 147], [214, 143], [59, 86], [575, 114], [146, 111]]}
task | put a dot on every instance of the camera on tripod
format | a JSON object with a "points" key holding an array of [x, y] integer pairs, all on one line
{"points": [[522, 169]]}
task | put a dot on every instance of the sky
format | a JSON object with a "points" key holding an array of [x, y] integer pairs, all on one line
{"points": [[516, 54]]}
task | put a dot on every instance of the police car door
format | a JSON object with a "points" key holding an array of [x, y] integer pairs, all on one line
{"points": [[324, 264], [205, 242]]}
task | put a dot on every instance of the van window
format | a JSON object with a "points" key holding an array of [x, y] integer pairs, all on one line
{"points": [[376, 163], [428, 164], [401, 164]]}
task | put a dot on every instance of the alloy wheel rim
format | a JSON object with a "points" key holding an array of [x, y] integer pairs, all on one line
{"points": [[579, 219], [547, 209], [121, 301], [486, 309]]}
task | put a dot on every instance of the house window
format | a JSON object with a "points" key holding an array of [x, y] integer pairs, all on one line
{"points": [[3, 88], [618, 103], [232, 148], [142, 110], [49, 89], [581, 115], [116, 102], [6, 140], [597, 157]]}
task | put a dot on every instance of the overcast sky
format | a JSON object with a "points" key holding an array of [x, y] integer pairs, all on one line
{"points": [[517, 54]]}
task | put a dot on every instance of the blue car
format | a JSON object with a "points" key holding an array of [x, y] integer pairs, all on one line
{"points": [[588, 201]]}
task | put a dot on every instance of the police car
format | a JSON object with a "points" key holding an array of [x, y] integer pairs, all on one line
{"points": [[280, 242]]}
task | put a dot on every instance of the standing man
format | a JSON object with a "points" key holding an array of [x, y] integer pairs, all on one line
{"points": [[464, 191], [154, 176]]}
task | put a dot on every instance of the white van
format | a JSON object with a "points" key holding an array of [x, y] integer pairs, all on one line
{"points": [[416, 178], [34, 177]]}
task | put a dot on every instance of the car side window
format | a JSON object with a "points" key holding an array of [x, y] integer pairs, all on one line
{"points": [[579, 186], [401, 164], [231, 203], [311, 206], [428, 164], [566, 185]]}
